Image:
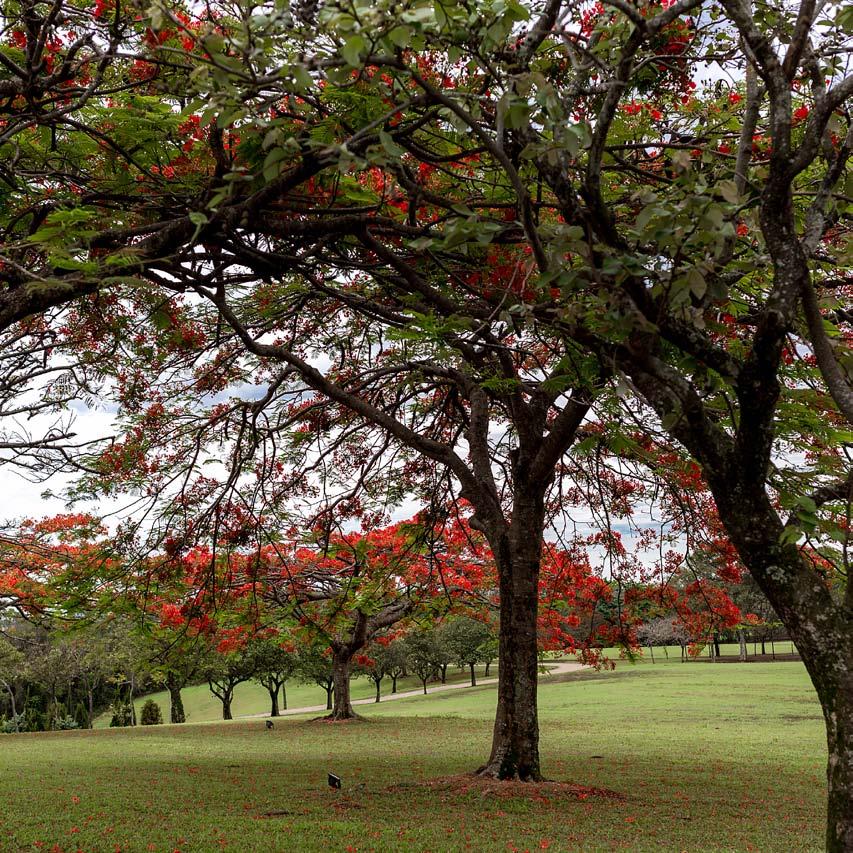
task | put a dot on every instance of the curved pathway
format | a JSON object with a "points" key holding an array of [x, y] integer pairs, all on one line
{"points": [[557, 668]]}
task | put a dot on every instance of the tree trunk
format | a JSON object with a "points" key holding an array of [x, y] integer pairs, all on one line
{"points": [[226, 704], [131, 694], [488, 666], [176, 704], [652, 652], [424, 682], [378, 688], [763, 647], [515, 742], [273, 691], [716, 646], [835, 691], [817, 623], [284, 695], [330, 689], [741, 636], [341, 672], [12, 703], [394, 683], [443, 669], [90, 712], [473, 675]]}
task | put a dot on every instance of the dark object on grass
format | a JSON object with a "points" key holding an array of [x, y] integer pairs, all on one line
{"points": [[334, 782], [270, 724]]}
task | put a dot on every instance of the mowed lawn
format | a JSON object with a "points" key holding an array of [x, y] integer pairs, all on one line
{"points": [[250, 698], [705, 757]]}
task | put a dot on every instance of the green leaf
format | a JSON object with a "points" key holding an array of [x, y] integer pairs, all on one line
{"points": [[728, 190], [390, 145], [401, 36], [353, 48]]}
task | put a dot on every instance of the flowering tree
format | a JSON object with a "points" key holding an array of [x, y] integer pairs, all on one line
{"points": [[455, 226], [354, 587]]}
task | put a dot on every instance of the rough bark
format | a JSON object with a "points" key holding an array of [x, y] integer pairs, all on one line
{"points": [[341, 673], [838, 713], [515, 741], [176, 703], [818, 625]]}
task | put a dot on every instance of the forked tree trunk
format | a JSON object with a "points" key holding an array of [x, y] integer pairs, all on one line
{"points": [[341, 672], [273, 691], [515, 742], [176, 703]]}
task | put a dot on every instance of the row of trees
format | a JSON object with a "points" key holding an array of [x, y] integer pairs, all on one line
{"points": [[317, 613], [476, 250], [57, 681]]}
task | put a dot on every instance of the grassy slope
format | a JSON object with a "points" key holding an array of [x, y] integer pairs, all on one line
{"points": [[250, 698], [201, 706], [725, 757]]}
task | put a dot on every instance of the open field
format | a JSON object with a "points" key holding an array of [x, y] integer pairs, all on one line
{"points": [[706, 758], [251, 699]]}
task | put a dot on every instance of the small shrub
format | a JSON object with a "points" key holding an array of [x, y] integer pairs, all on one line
{"points": [[151, 714], [16, 723], [35, 721], [64, 724], [122, 714]]}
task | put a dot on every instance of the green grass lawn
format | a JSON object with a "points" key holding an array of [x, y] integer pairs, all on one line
{"points": [[250, 698], [707, 757]]}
